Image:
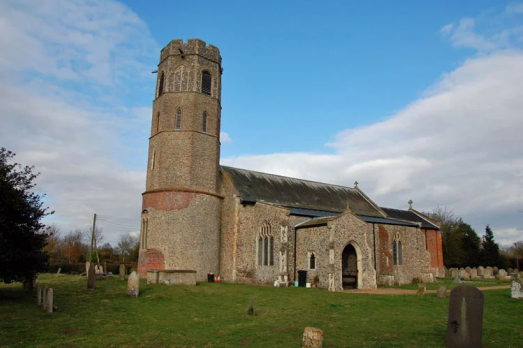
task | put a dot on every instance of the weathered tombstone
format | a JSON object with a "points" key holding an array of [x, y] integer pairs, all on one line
{"points": [[468, 269], [39, 294], [481, 271], [442, 292], [502, 274], [473, 273], [87, 266], [122, 272], [49, 300], [44, 297], [453, 273], [91, 278], [59, 270], [465, 321], [516, 289], [456, 279], [252, 306], [312, 338], [510, 270], [421, 290], [133, 285], [466, 275], [516, 270], [495, 271]]}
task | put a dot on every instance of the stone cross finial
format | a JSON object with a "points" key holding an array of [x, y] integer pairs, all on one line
{"points": [[410, 203], [356, 184]]}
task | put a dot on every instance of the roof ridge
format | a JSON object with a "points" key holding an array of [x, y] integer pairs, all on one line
{"points": [[290, 177]]}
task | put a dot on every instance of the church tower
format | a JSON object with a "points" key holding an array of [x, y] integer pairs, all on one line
{"points": [[182, 204]]}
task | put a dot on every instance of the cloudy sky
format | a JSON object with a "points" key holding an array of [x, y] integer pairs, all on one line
{"points": [[420, 102]]}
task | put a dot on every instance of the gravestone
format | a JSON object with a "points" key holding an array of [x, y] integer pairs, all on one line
{"points": [[421, 290], [481, 271], [473, 273], [122, 272], [453, 273], [44, 297], [442, 292], [456, 279], [510, 270], [465, 321], [502, 274], [468, 269], [49, 301], [133, 285], [495, 271], [516, 289], [91, 278], [39, 294], [466, 275], [312, 338], [59, 270]]}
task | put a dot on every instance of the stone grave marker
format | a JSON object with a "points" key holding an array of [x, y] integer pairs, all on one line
{"points": [[59, 270], [516, 289], [501, 274], [481, 271], [468, 269], [465, 321], [133, 285], [44, 297], [456, 279], [442, 292], [91, 278], [453, 272], [495, 271], [421, 290], [312, 338], [473, 273], [122, 272], [39, 295], [49, 300], [510, 270]]}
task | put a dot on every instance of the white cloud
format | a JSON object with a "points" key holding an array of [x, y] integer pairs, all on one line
{"points": [[459, 145], [225, 138], [463, 35], [75, 139]]}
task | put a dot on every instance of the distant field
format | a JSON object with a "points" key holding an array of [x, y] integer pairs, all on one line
{"points": [[214, 315]]}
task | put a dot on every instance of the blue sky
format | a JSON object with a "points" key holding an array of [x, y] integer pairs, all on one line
{"points": [[415, 100]]}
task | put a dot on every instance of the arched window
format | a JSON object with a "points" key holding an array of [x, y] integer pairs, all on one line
{"points": [[160, 84], [312, 261], [265, 246], [397, 250], [206, 82], [204, 122], [178, 124]]}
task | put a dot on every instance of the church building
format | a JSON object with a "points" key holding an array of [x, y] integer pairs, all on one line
{"points": [[252, 227]]}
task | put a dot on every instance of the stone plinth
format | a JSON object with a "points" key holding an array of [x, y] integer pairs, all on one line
{"points": [[517, 290], [171, 277], [312, 338]]}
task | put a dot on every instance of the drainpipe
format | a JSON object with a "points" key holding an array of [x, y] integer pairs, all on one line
{"points": [[374, 237]]}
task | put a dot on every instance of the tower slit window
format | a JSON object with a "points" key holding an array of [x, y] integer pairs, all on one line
{"points": [[158, 122], [206, 82], [178, 122], [204, 122], [312, 261]]}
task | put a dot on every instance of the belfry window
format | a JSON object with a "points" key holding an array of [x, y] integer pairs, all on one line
{"points": [[397, 250], [206, 82], [178, 124], [312, 261], [160, 84], [204, 122], [265, 246]]}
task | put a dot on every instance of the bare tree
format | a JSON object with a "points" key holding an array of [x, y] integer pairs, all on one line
{"points": [[517, 252], [53, 246], [127, 244], [72, 246]]}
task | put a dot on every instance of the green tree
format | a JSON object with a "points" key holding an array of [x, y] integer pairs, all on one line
{"points": [[490, 255], [451, 239], [22, 234], [470, 244]]}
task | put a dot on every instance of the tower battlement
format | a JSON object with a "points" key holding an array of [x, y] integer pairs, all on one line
{"points": [[192, 47]]}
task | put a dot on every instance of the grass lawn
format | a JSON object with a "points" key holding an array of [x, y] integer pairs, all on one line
{"points": [[214, 315]]}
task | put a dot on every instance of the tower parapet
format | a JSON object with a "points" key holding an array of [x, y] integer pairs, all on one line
{"points": [[193, 46]]}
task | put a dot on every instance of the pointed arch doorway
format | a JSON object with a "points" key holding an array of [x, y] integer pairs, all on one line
{"points": [[350, 267]]}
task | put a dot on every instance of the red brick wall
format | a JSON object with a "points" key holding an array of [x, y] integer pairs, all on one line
{"points": [[150, 259], [168, 200], [385, 267], [434, 246]]}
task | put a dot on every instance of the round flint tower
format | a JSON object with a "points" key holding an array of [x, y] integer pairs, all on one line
{"points": [[181, 205]]}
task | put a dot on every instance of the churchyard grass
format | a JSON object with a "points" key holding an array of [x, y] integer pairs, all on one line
{"points": [[214, 315], [449, 283]]}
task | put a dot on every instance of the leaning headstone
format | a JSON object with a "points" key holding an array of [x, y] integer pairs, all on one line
{"points": [[442, 292], [91, 278], [59, 270], [133, 285], [516, 289], [312, 338], [39, 294], [481, 271], [50, 301], [456, 279], [122, 272], [465, 321]]}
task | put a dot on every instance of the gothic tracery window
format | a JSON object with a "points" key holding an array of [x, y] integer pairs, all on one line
{"points": [[397, 250], [265, 246]]}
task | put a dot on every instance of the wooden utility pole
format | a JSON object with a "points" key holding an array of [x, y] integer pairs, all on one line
{"points": [[92, 239]]}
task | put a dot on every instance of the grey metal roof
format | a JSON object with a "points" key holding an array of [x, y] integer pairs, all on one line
{"points": [[317, 221], [385, 221], [312, 213], [409, 216], [297, 193]]}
